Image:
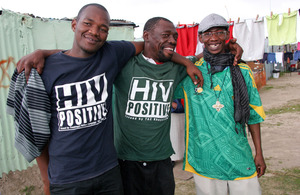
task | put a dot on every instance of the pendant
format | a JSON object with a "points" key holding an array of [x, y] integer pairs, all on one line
{"points": [[218, 106], [198, 90]]}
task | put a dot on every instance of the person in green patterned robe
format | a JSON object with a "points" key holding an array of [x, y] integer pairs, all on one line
{"points": [[217, 149]]}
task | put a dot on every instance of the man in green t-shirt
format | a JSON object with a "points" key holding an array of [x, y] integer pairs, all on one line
{"points": [[217, 149], [143, 93]]}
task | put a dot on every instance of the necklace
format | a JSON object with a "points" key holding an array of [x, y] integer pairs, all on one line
{"points": [[218, 106]]}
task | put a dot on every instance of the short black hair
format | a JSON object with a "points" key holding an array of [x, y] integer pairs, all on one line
{"points": [[150, 24], [90, 4]]}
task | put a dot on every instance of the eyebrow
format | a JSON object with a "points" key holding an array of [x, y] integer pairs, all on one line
{"points": [[91, 20]]}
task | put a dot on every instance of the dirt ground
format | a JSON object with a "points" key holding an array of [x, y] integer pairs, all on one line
{"points": [[280, 139]]}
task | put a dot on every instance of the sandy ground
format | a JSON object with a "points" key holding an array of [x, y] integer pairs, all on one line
{"points": [[281, 132], [280, 138]]}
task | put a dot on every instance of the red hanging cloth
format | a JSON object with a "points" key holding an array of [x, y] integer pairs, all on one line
{"points": [[187, 39], [231, 23]]}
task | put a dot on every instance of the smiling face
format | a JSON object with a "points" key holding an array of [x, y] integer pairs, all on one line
{"points": [[160, 42], [214, 39], [91, 31]]}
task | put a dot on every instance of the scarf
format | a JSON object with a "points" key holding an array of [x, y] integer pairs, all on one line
{"points": [[218, 63]]}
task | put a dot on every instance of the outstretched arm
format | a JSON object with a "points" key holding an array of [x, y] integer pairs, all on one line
{"points": [[35, 59], [139, 46], [259, 159], [191, 69]]}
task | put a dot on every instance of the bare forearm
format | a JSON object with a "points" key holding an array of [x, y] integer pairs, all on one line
{"points": [[43, 161], [179, 59], [35, 59], [191, 69], [256, 137], [258, 159], [47, 53]]}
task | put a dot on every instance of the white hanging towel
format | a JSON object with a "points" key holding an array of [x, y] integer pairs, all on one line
{"points": [[251, 36], [278, 56]]}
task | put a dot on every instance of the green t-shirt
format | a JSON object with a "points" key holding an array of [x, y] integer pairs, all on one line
{"points": [[213, 148], [143, 95]]}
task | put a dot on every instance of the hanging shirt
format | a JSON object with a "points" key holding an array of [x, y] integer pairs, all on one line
{"points": [[287, 55], [251, 36], [284, 33], [279, 56], [271, 58], [297, 55]]}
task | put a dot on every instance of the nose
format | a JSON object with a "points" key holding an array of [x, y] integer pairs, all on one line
{"points": [[94, 30], [172, 40]]}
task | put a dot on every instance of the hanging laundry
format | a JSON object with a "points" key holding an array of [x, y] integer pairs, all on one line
{"points": [[187, 39], [297, 55], [284, 33], [231, 24], [265, 57], [278, 56], [271, 58], [267, 47], [287, 55], [199, 48], [298, 28], [251, 36]]}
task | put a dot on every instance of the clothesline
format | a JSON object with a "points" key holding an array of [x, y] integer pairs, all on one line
{"points": [[257, 16]]}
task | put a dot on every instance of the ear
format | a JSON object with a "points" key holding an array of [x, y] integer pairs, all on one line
{"points": [[146, 36], [73, 24], [200, 38]]}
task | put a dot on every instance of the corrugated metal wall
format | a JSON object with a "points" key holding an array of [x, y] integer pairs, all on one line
{"points": [[19, 35]]}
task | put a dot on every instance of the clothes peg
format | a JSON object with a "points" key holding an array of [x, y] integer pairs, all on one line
{"points": [[238, 20], [271, 14], [289, 11], [257, 17]]}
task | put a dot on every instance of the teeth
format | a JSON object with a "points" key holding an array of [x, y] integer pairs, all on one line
{"points": [[215, 45], [170, 49]]}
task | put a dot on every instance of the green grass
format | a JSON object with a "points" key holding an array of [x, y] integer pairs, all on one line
{"points": [[283, 109], [27, 190], [282, 182], [267, 87]]}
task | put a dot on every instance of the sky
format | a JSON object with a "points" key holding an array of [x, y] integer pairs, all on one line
{"points": [[139, 11]]}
